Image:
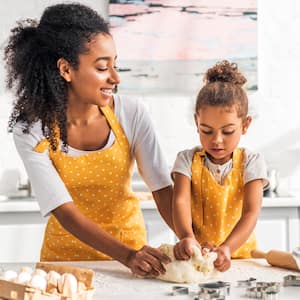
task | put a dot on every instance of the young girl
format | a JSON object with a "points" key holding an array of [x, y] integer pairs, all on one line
{"points": [[218, 186], [78, 140]]}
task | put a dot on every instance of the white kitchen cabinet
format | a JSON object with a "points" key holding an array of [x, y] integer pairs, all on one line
{"points": [[158, 231], [22, 228], [278, 228], [21, 236]]}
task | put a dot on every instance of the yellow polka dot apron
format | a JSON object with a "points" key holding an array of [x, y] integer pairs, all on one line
{"points": [[99, 183], [216, 208]]}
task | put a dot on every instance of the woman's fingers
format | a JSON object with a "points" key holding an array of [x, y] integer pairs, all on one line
{"points": [[148, 261]]}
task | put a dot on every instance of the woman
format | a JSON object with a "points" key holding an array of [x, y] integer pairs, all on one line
{"points": [[78, 141]]}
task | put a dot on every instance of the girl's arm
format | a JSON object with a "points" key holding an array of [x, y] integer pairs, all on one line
{"points": [[182, 217], [253, 193], [146, 261]]}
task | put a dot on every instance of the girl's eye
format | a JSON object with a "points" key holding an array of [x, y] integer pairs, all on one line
{"points": [[228, 132]]}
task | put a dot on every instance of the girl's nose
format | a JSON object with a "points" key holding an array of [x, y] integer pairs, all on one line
{"points": [[217, 138]]}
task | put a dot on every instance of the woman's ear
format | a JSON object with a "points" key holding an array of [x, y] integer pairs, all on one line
{"points": [[246, 124], [64, 69]]}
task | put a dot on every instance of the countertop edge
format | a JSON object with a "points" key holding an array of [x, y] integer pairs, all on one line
{"points": [[32, 205]]}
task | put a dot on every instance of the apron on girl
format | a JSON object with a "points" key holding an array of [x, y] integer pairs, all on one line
{"points": [[216, 208], [99, 184]]}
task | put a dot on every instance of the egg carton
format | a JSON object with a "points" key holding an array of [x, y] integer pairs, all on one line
{"points": [[17, 291]]}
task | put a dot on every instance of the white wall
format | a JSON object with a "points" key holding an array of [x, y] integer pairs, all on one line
{"points": [[275, 130]]}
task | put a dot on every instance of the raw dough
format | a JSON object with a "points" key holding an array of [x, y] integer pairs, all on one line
{"points": [[197, 269]]}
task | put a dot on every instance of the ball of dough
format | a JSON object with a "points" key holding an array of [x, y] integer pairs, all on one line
{"points": [[197, 269]]}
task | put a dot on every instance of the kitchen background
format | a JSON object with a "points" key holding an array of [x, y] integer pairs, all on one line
{"points": [[275, 106]]}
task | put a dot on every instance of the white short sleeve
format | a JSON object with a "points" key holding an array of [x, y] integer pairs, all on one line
{"points": [[145, 146], [46, 182], [255, 168], [183, 162]]}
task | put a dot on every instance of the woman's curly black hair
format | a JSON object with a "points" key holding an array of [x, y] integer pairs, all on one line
{"points": [[223, 87], [31, 57]]}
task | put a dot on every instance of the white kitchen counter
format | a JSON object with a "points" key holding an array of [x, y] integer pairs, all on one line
{"points": [[113, 281], [25, 205]]}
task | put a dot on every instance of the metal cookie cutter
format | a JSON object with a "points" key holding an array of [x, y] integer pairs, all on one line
{"points": [[270, 293], [218, 290], [264, 290], [246, 283], [180, 290], [291, 280]]}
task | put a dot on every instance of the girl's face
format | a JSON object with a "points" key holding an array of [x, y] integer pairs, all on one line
{"points": [[96, 77], [220, 130]]}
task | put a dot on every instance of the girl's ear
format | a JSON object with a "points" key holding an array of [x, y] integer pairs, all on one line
{"points": [[64, 69], [246, 124]]}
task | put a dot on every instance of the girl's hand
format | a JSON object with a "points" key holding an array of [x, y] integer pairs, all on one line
{"points": [[183, 249], [147, 262], [223, 261]]}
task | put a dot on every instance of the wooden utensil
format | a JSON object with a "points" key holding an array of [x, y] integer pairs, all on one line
{"points": [[277, 258]]}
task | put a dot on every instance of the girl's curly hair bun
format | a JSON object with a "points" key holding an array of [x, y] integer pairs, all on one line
{"points": [[225, 71]]}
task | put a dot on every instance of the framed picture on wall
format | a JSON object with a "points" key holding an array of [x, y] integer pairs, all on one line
{"points": [[165, 46]]}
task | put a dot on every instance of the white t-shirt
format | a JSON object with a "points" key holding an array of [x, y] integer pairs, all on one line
{"points": [[254, 166], [51, 191]]}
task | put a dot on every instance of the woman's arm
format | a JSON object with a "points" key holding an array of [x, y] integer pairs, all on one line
{"points": [[146, 261], [163, 200]]}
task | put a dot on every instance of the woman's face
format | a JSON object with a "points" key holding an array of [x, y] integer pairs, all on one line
{"points": [[95, 78]]}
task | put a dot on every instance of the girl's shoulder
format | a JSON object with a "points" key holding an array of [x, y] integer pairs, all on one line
{"points": [[252, 157], [188, 154]]}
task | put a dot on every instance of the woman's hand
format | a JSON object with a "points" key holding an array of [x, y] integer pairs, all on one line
{"points": [[147, 262], [183, 249], [223, 261]]}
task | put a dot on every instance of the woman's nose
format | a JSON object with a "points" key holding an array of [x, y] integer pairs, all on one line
{"points": [[114, 76]]}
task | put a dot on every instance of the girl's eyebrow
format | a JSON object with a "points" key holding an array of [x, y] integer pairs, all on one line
{"points": [[227, 125]]}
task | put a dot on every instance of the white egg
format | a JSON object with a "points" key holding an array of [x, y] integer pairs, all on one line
{"points": [[69, 287], [81, 286], [38, 282], [26, 269], [40, 272], [23, 277], [10, 275], [53, 274], [52, 281]]}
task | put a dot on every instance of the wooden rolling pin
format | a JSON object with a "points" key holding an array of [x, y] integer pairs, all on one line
{"points": [[277, 258]]}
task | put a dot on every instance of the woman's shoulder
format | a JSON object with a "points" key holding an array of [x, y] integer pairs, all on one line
{"points": [[129, 105], [34, 135]]}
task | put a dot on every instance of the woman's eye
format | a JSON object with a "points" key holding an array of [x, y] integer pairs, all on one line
{"points": [[228, 132], [206, 132], [102, 69]]}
